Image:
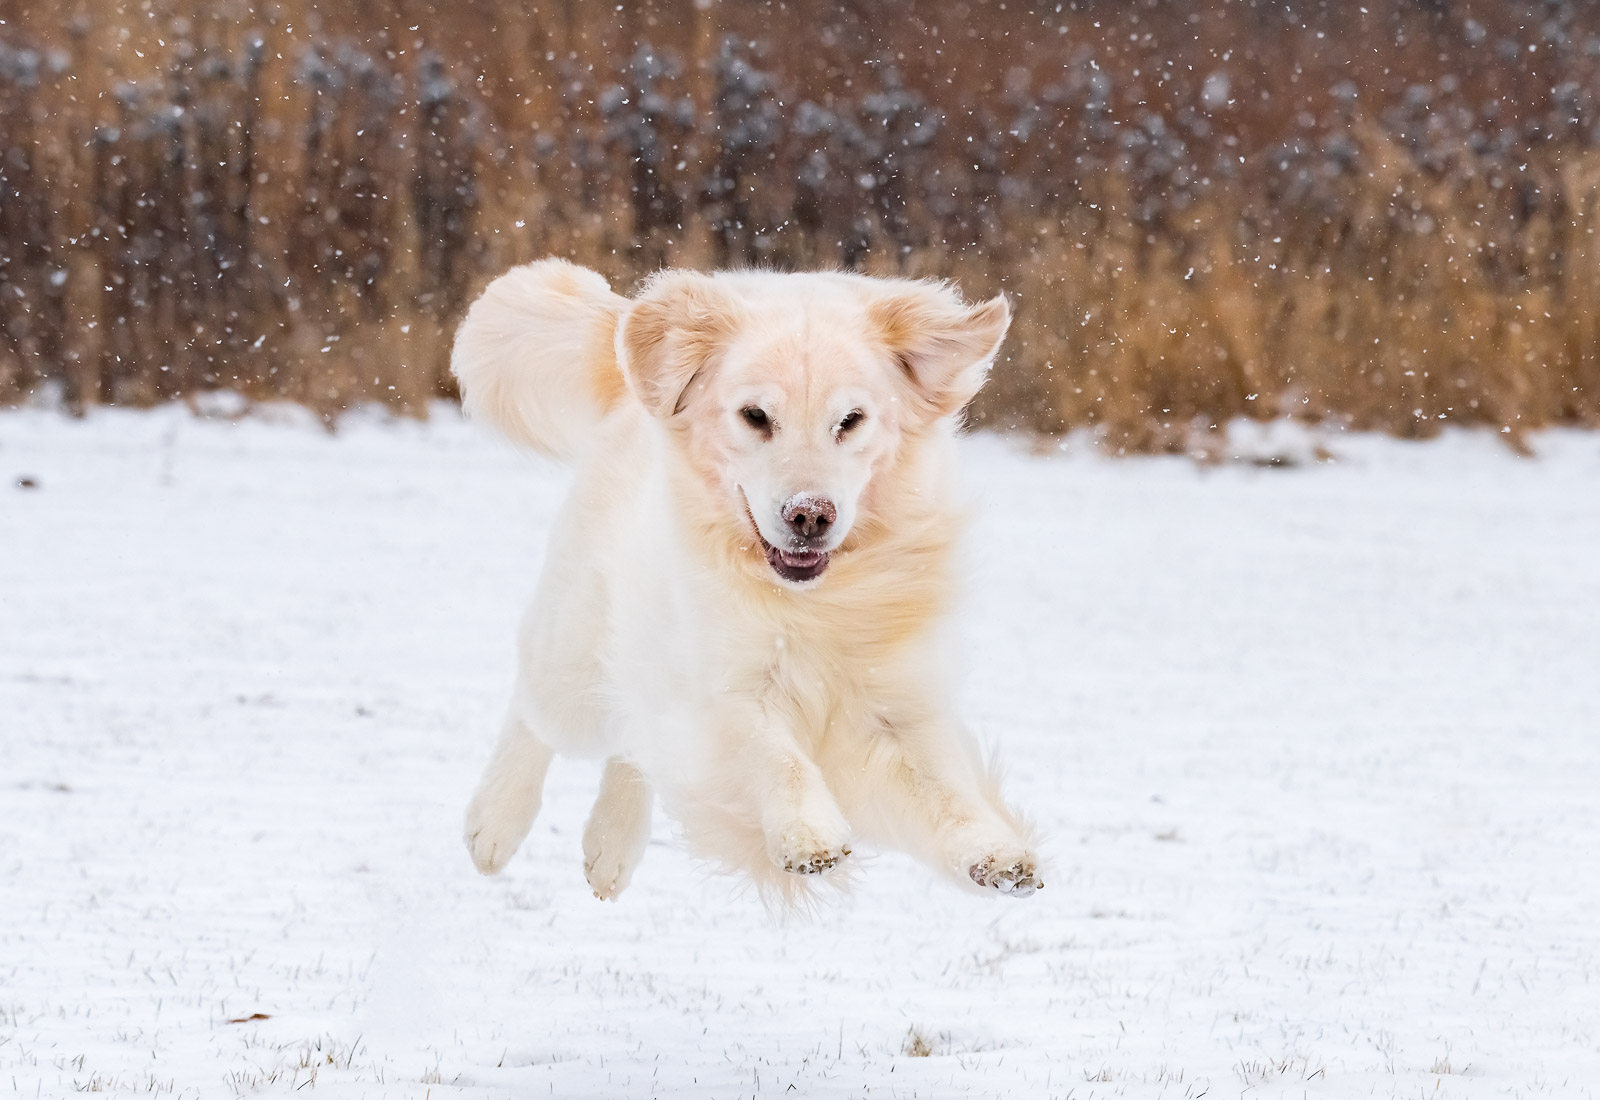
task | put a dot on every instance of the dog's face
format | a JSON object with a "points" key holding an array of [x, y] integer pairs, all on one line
{"points": [[789, 394]]}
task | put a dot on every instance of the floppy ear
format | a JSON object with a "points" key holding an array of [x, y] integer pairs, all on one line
{"points": [[943, 345], [668, 336]]}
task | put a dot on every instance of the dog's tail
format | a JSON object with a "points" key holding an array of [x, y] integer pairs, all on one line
{"points": [[536, 356]]}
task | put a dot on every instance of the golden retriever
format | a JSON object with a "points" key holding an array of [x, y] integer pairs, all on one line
{"points": [[743, 602]]}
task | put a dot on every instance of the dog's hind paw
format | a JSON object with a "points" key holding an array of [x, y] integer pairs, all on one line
{"points": [[605, 882], [494, 830], [1017, 877], [489, 854], [606, 870]]}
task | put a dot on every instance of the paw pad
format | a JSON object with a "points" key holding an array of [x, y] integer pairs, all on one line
{"points": [[816, 863], [1019, 879]]}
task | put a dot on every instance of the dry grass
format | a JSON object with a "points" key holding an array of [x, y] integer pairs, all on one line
{"points": [[1200, 216], [1397, 328]]}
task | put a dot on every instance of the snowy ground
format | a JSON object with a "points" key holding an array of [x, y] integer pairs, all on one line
{"points": [[1318, 751]]}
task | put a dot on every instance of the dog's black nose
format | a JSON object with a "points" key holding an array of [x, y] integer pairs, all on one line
{"points": [[809, 516]]}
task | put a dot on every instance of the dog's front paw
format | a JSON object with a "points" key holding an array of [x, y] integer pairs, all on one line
{"points": [[495, 827], [815, 862], [1017, 875], [808, 850]]}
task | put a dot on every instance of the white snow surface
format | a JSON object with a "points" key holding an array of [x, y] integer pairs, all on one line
{"points": [[1316, 751]]}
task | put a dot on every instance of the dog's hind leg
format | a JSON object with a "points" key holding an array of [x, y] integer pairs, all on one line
{"points": [[507, 800], [618, 830]]}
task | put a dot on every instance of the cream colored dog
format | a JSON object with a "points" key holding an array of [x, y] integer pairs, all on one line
{"points": [[742, 603]]}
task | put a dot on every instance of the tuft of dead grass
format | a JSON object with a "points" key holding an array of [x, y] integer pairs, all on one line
{"points": [[917, 1045]]}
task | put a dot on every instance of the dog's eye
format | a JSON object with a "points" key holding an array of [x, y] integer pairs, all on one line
{"points": [[757, 419], [852, 419]]}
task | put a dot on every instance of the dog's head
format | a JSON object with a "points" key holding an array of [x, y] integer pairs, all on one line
{"points": [[787, 395]]}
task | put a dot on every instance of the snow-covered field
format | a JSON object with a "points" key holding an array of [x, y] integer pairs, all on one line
{"points": [[1317, 750]]}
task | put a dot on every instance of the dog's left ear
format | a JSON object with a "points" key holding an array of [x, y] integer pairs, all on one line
{"points": [[943, 345], [669, 337]]}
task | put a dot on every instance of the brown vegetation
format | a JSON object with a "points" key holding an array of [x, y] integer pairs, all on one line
{"points": [[1382, 219]]}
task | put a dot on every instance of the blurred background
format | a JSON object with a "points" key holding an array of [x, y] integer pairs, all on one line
{"points": [[1379, 215]]}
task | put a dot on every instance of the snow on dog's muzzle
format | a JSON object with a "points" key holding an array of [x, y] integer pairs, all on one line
{"points": [[810, 518], [811, 521]]}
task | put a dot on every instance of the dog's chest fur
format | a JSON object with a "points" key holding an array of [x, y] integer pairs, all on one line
{"points": [[843, 660]]}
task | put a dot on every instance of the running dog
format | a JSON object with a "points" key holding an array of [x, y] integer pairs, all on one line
{"points": [[743, 601]]}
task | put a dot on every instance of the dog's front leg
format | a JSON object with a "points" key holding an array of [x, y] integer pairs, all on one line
{"points": [[923, 786], [806, 833]]}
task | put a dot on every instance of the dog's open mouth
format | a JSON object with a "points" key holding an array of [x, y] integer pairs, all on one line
{"points": [[796, 566]]}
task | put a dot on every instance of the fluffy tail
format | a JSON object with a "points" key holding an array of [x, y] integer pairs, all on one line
{"points": [[536, 356]]}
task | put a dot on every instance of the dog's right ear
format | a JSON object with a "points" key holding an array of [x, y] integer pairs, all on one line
{"points": [[669, 336]]}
